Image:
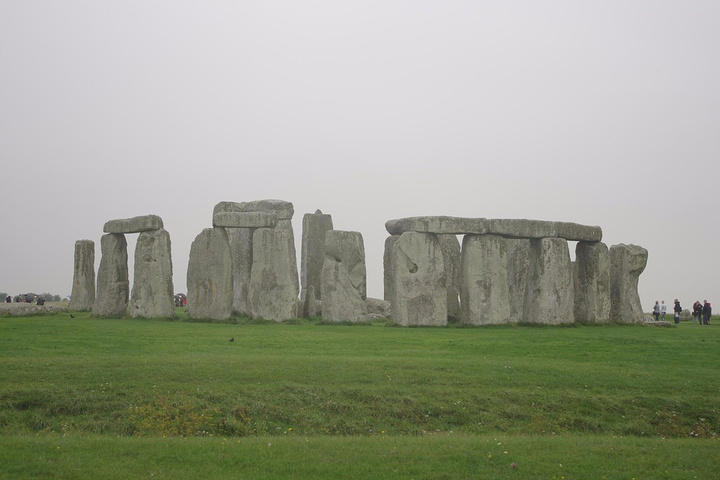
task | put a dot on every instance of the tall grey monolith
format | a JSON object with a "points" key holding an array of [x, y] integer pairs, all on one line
{"points": [[627, 262], [452, 257], [312, 253], [209, 276], [387, 267], [152, 291], [419, 291], [518, 259], [484, 294], [240, 240], [272, 293], [344, 277], [82, 297], [592, 282], [549, 296], [112, 278]]}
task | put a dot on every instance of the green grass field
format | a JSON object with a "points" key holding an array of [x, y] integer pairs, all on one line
{"points": [[89, 398]]}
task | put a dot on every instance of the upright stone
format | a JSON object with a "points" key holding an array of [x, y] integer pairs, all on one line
{"points": [[451, 256], [308, 303], [112, 279], [83, 289], [240, 240], [549, 296], [419, 292], [627, 262], [518, 259], [209, 276], [387, 267], [272, 293], [312, 253], [592, 282], [344, 277], [152, 292], [484, 293]]}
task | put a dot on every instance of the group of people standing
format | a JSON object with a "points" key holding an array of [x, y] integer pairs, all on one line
{"points": [[701, 311]]}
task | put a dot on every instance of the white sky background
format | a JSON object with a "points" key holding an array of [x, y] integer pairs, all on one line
{"points": [[601, 113]]}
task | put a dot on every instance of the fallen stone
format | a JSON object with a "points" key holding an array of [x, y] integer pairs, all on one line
{"points": [[245, 219], [376, 306], [153, 293], [484, 293], [273, 291], [549, 296], [82, 297], [437, 224], [209, 276], [592, 282], [312, 254], [113, 285], [143, 223], [627, 262]]}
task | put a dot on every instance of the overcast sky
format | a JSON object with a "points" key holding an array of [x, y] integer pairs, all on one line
{"points": [[601, 113]]}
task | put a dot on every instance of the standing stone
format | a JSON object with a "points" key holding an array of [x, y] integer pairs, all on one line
{"points": [[82, 297], [308, 303], [272, 292], [419, 291], [209, 276], [592, 282], [312, 254], [152, 293], [627, 262], [113, 285], [240, 240], [518, 260], [549, 296], [484, 293], [387, 267], [344, 277], [452, 257]]}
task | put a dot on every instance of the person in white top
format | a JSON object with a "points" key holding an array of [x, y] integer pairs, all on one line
{"points": [[663, 310]]}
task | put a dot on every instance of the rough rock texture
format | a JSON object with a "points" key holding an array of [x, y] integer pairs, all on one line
{"points": [[451, 256], [312, 253], [273, 293], [441, 225], [378, 308], [245, 219], [152, 293], [484, 294], [387, 266], [283, 209], [592, 282], [627, 262], [240, 240], [113, 285], [308, 307], [518, 262], [286, 225], [344, 277], [143, 223], [549, 296], [419, 289], [209, 276], [83, 289]]}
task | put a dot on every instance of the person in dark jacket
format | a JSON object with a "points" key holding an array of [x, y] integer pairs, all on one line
{"points": [[697, 312], [677, 309], [706, 312]]}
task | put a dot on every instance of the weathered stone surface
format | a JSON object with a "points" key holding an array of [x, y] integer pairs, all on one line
{"points": [[152, 293], [451, 256], [592, 282], [286, 225], [82, 297], [227, 207], [387, 266], [344, 277], [113, 285], [378, 308], [143, 223], [283, 209], [272, 293], [484, 293], [579, 233], [308, 303], [209, 276], [312, 253], [437, 224], [627, 262], [419, 289], [518, 262], [241, 254], [245, 219], [549, 296], [521, 228]]}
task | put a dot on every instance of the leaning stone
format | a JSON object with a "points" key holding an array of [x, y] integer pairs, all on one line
{"points": [[549, 294], [592, 282], [376, 306], [245, 220], [113, 284], [209, 276], [627, 262], [273, 293], [134, 225], [518, 262], [419, 289], [484, 294], [152, 293], [452, 257], [387, 267], [83, 289], [312, 254], [438, 224], [344, 277], [283, 209]]}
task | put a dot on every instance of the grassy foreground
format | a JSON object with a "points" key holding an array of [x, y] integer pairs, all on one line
{"points": [[81, 398]]}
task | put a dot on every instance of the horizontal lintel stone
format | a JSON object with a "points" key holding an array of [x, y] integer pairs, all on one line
{"points": [[245, 220], [441, 225], [143, 223]]}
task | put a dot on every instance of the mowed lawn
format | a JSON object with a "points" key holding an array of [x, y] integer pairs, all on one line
{"points": [[89, 398]]}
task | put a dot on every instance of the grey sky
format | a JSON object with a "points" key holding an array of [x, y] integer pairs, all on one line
{"points": [[602, 113]]}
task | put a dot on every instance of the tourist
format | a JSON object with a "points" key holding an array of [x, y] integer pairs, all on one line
{"points": [[8, 299], [678, 310], [697, 312], [40, 300], [706, 312], [656, 311], [663, 310]]}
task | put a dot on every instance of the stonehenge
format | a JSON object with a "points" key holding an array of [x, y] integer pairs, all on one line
{"points": [[501, 270]]}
